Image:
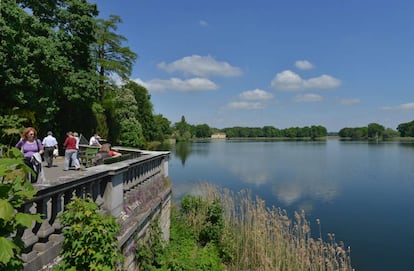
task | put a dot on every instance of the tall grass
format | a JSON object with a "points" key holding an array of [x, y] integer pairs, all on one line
{"points": [[267, 239]]}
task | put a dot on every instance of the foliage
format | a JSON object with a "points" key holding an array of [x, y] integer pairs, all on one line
{"points": [[150, 248], [264, 238], [184, 253], [45, 56], [356, 133], [90, 238], [10, 128], [375, 130], [131, 133], [144, 113], [202, 131], [183, 130], [109, 54], [14, 192], [406, 129], [371, 131], [101, 122], [390, 133], [313, 132], [163, 126]]}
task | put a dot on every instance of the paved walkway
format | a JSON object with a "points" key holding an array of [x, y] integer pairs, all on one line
{"points": [[56, 174]]}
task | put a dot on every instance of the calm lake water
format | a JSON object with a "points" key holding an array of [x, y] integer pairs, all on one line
{"points": [[363, 192]]}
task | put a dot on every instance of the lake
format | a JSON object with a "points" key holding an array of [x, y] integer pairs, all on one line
{"points": [[363, 192]]}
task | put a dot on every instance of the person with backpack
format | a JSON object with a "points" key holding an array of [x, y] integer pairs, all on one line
{"points": [[31, 148]]}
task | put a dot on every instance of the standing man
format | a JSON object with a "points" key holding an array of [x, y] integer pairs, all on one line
{"points": [[49, 144]]}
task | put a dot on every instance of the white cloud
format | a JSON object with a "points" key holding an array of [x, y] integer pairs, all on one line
{"points": [[287, 80], [177, 84], [322, 82], [350, 101], [303, 65], [307, 98], [202, 66], [290, 81], [256, 94], [402, 107], [203, 23], [251, 100], [245, 105]]}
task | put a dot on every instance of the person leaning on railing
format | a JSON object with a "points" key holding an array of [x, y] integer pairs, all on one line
{"points": [[104, 152]]}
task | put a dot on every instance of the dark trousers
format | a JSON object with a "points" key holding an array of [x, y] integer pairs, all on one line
{"points": [[49, 156], [31, 176]]}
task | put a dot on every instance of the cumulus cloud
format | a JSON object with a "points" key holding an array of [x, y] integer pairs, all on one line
{"points": [[256, 94], [245, 105], [350, 101], [307, 98], [287, 80], [303, 65], [203, 23], [202, 66], [177, 84], [401, 107], [251, 100], [290, 81]]}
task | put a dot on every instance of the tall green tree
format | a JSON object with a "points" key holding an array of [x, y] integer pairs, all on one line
{"points": [[111, 59], [163, 126], [47, 74], [406, 129], [110, 56], [125, 128], [375, 130], [145, 113]]}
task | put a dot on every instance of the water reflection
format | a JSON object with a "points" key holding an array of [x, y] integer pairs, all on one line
{"points": [[292, 172], [361, 191], [183, 150]]}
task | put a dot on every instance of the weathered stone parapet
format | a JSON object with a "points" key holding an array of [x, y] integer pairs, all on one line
{"points": [[137, 189]]}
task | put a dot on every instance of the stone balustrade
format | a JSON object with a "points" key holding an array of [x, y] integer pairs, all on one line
{"points": [[134, 191]]}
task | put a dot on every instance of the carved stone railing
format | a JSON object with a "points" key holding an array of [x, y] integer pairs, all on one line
{"points": [[133, 191]]}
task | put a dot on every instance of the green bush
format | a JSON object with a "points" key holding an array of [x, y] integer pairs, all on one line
{"points": [[15, 190], [150, 248], [90, 238]]}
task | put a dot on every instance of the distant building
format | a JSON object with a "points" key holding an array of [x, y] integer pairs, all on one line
{"points": [[218, 136]]}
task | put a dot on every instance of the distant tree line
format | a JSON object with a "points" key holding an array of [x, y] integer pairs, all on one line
{"points": [[185, 131], [373, 131], [406, 129]]}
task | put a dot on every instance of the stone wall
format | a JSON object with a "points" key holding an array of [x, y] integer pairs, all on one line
{"points": [[135, 191]]}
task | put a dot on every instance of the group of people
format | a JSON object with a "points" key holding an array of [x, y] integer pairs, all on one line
{"points": [[34, 150]]}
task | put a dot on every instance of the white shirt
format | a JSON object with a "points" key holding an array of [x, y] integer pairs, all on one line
{"points": [[49, 141], [93, 141]]}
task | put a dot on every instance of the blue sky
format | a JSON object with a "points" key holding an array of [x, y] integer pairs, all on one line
{"points": [[292, 63]]}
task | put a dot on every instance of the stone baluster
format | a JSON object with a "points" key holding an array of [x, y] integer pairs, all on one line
{"points": [[45, 229]]}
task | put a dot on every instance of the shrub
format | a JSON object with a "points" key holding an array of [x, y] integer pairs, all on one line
{"points": [[15, 190], [90, 238]]}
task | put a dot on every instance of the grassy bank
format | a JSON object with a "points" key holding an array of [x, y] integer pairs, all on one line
{"points": [[221, 230], [267, 239]]}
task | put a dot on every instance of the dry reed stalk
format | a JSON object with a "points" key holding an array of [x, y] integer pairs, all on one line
{"points": [[267, 240]]}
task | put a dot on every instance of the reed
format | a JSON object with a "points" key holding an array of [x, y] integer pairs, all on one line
{"points": [[267, 239]]}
